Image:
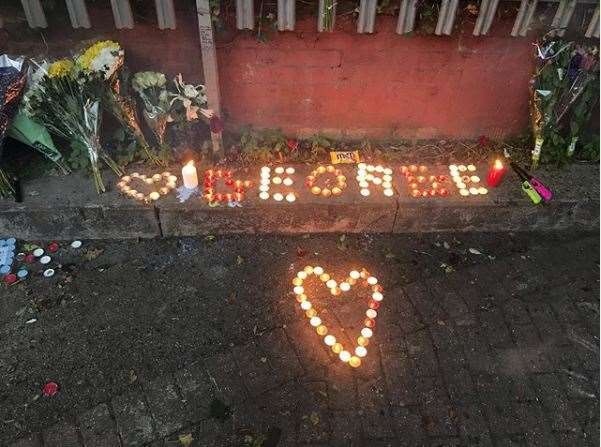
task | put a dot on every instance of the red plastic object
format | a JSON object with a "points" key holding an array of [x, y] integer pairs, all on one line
{"points": [[50, 389]]}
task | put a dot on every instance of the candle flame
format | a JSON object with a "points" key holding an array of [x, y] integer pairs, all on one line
{"points": [[190, 163], [498, 164]]}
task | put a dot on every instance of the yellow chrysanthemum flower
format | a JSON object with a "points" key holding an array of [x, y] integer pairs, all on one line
{"points": [[60, 68], [87, 58]]}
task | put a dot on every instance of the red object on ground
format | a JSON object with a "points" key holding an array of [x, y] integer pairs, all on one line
{"points": [[10, 278], [30, 259], [496, 174], [53, 247], [50, 389]]}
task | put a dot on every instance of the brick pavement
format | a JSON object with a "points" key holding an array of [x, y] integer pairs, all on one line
{"points": [[498, 354]]}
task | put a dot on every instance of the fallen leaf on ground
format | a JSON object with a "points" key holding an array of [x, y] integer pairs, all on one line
{"points": [[474, 251], [314, 417], [239, 260], [93, 253], [132, 376], [186, 440]]}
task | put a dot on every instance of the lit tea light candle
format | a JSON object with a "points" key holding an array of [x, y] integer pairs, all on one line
{"points": [[290, 197], [278, 197], [360, 351], [279, 170], [345, 356], [189, 175]]}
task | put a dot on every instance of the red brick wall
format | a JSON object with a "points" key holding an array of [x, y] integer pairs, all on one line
{"points": [[378, 85], [340, 83]]}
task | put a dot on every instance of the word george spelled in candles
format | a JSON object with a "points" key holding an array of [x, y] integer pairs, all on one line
{"points": [[376, 175], [327, 190], [282, 177], [466, 180]]}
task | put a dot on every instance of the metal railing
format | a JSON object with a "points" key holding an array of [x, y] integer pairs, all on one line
{"points": [[245, 15]]}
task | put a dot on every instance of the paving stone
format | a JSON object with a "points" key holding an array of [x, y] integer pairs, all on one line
{"points": [[495, 328], [428, 310], [134, 422], [282, 356], [314, 360], [32, 440], [408, 425], [166, 406], [198, 390], [224, 372], [552, 395], [61, 435], [398, 374], [98, 428], [376, 423], [346, 426], [257, 373], [420, 349]]}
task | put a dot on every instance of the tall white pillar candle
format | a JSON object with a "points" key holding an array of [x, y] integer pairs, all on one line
{"points": [[189, 176]]}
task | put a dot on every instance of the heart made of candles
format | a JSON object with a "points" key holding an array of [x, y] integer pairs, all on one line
{"points": [[165, 179], [355, 278]]}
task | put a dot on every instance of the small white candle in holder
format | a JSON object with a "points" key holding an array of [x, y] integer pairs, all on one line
{"points": [[189, 176]]}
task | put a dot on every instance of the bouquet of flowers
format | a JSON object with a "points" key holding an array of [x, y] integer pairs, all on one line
{"points": [[106, 58], [31, 133], [67, 100], [564, 91], [152, 89], [193, 98], [12, 82]]}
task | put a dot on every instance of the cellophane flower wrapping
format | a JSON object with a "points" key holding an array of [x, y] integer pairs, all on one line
{"points": [[12, 83], [107, 58], [67, 102], [152, 89]]}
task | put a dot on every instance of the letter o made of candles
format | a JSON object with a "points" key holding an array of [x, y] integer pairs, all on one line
{"points": [[354, 278], [332, 187], [237, 188], [274, 179], [169, 183], [370, 175]]}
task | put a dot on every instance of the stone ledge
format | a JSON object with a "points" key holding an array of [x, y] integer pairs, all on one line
{"points": [[68, 207]]}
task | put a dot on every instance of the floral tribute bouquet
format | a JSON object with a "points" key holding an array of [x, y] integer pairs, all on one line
{"points": [[564, 92], [67, 101], [193, 99], [151, 86], [106, 59], [12, 83]]}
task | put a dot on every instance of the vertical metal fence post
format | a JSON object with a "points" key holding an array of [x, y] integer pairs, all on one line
{"points": [[34, 13], [165, 14], [367, 16], [122, 14], [562, 18], [406, 20], [524, 17], [78, 13], [593, 27], [286, 15], [245, 14], [446, 17], [209, 66], [326, 10]]}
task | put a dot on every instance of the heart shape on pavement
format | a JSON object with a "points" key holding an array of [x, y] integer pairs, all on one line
{"points": [[355, 278]]}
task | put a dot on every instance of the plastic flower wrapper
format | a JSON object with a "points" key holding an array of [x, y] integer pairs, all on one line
{"points": [[193, 98], [152, 88], [562, 96], [107, 59], [68, 104], [28, 131], [12, 83]]}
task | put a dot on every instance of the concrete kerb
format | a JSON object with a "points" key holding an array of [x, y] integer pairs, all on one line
{"points": [[68, 207]]}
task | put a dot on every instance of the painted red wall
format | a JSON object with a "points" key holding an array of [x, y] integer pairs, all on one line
{"points": [[378, 85], [340, 83]]}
